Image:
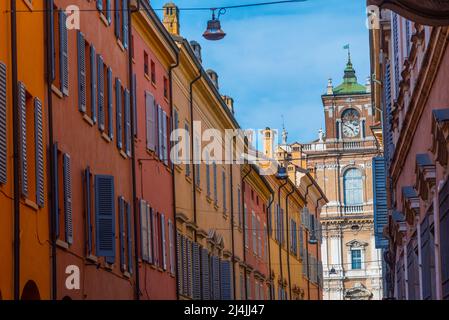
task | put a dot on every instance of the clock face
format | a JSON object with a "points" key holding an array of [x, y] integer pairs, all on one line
{"points": [[351, 123]]}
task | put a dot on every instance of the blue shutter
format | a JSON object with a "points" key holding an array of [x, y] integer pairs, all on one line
{"points": [[189, 268], [52, 40], [121, 218], [127, 123], [130, 238], [67, 182], [149, 112], [125, 23], [160, 146], [196, 271], [163, 243], [63, 54], [118, 111], [105, 216], [87, 186], [100, 5], [444, 238], [93, 84], [117, 18], [23, 140], [100, 88], [185, 277], [426, 258], [215, 183], [164, 137], [205, 274], [110, 105], [396, 53], [134, 94], [3, 125], [81, 72], [380, 202], [54, 170], [216, 277], [39, 147], [108, 11], [152, 254], [226, 280], [179, 264]]}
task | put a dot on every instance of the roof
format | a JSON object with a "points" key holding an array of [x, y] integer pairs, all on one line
{"points": [[350, 84]]}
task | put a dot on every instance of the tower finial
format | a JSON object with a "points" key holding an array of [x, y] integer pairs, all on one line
{"points": [[284, 132], [347, 47]]}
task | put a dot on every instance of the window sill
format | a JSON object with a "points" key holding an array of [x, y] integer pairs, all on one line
{"points": [[88, 120], [178, 168], [127, 275], [216, 206], [104, 19], [198, 189], [56, 91], [120, 44], [189, 179], [208, 199], [108, 266], [92, 258], [147, 77], [124, 155], [31, 204], [62, 244], [106, 137], [28, 4]]}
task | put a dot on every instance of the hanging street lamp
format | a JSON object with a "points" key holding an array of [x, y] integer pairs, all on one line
{"points": [[213, 31]]}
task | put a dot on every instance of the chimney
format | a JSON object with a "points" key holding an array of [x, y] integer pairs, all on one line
{"points": [[330, 87], [171, 18], [268, 147], [229, 102], [214, 77], [196, 49]]}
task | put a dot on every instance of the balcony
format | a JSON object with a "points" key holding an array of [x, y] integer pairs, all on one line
{"points": [[352, 209]]}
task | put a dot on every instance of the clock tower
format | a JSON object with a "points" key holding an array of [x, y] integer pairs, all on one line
{"points": [[341, 162]]}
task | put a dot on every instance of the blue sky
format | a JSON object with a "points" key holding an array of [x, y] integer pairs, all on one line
{"points": [[275, 60]]}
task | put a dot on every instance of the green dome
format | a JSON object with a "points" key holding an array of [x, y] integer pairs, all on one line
{"points": [[350, 84]]}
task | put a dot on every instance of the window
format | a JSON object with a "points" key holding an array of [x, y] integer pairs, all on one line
{"points": [[165, 88], [63, 196], [259, 238], [239, 207], [105, 217], [59, 48], [171, 246], [223, 180], [145, 64], [207, 175], [151, 115], [353, 189], [121, 21], [104, 6], [248, 287], [242, 286], [153, 72], [186, 154], [215, 184], [125, 235], [3, 124], [245, 217], [356, 259]]}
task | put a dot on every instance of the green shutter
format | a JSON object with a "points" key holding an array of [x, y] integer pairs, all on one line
{"points": [[105, 216]]}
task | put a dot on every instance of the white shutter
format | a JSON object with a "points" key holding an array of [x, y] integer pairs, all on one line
{"points": [[144, 229]]}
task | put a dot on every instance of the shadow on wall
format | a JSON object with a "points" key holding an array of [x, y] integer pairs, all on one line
{"points": [[66, 298], [30, 291]]}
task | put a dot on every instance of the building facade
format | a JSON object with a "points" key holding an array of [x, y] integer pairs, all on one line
{"points": [[414, 60], [341, 162]]}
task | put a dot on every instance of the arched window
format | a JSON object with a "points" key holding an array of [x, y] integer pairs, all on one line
{"points": [[353, 188]]}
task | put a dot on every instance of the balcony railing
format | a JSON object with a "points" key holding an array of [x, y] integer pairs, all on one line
{"points": [[339, 145], [352, 209]]}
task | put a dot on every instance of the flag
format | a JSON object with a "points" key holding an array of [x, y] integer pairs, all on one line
{"points": [[346, 47]]}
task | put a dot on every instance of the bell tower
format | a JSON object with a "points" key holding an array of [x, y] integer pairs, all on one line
{"points": [[171, 18]]}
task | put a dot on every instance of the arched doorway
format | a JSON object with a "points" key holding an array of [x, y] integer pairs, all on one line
{"points": [[30, 291]]}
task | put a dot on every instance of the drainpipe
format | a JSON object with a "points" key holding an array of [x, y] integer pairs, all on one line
{"points": [[288, 242], [317, 245], [175, 233], [307, 247], [280, 242], [15, 110], [268, 240], [133, 150], [231, 179], [192, 147], [54, 209], [244, 229]]}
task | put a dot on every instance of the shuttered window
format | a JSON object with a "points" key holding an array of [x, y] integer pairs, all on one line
{"points": [[63, 54], [3, 125], [214, 165], [196, 265], [82, 88], [259, 238], [154, 236], [100, 92], [239, 206], [23, 159], [134, 103], [150, 121], [444, 238], [129, 237], [254, 232], [207, 175], [67, 186], [163, 242], [87, 208], [171, 240], [215, 266], [93, 84], [428, 258], [144, 231], [186, 152], [117, 20], [122, 233], [185, 276], [39, 152], [118, 112], [189, 268], [125, 23], [127, 123], [223, 180], [205, 274], [110, 104], [105, 216], [179, 265], [226, 286], [380, 201], [246, 231]]}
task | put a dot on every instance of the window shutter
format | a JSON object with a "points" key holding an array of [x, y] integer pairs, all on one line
{"points": [[63, 54], [426, 257], [87, 186], [216, 277], [67, 180], [105, 216], [117, 18], [130, 238], [215, 183], [224, 190], [100, 87], [205, 274], [150, 241], [23, 140], [150, 121], [186, 152], [196, 271], [208, 177], [171, 241], [81, 72], [259, 239], [239, 207], [301, 242], [93, 83], [164, 137], [56, 187], [134, 91], [100, 5], [110, 105], [179, 265], [3, 125], [185, 277], [163, 243], [444, 238], [118, 111], [125, 23], [143, 230], [160, 135], [121, 218], [380, 201], [108, 11], [155, 237], [39, 147], [52, 40], [254, 227], [226, 280], [127, 123], [245, 214], [189, 268]]}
